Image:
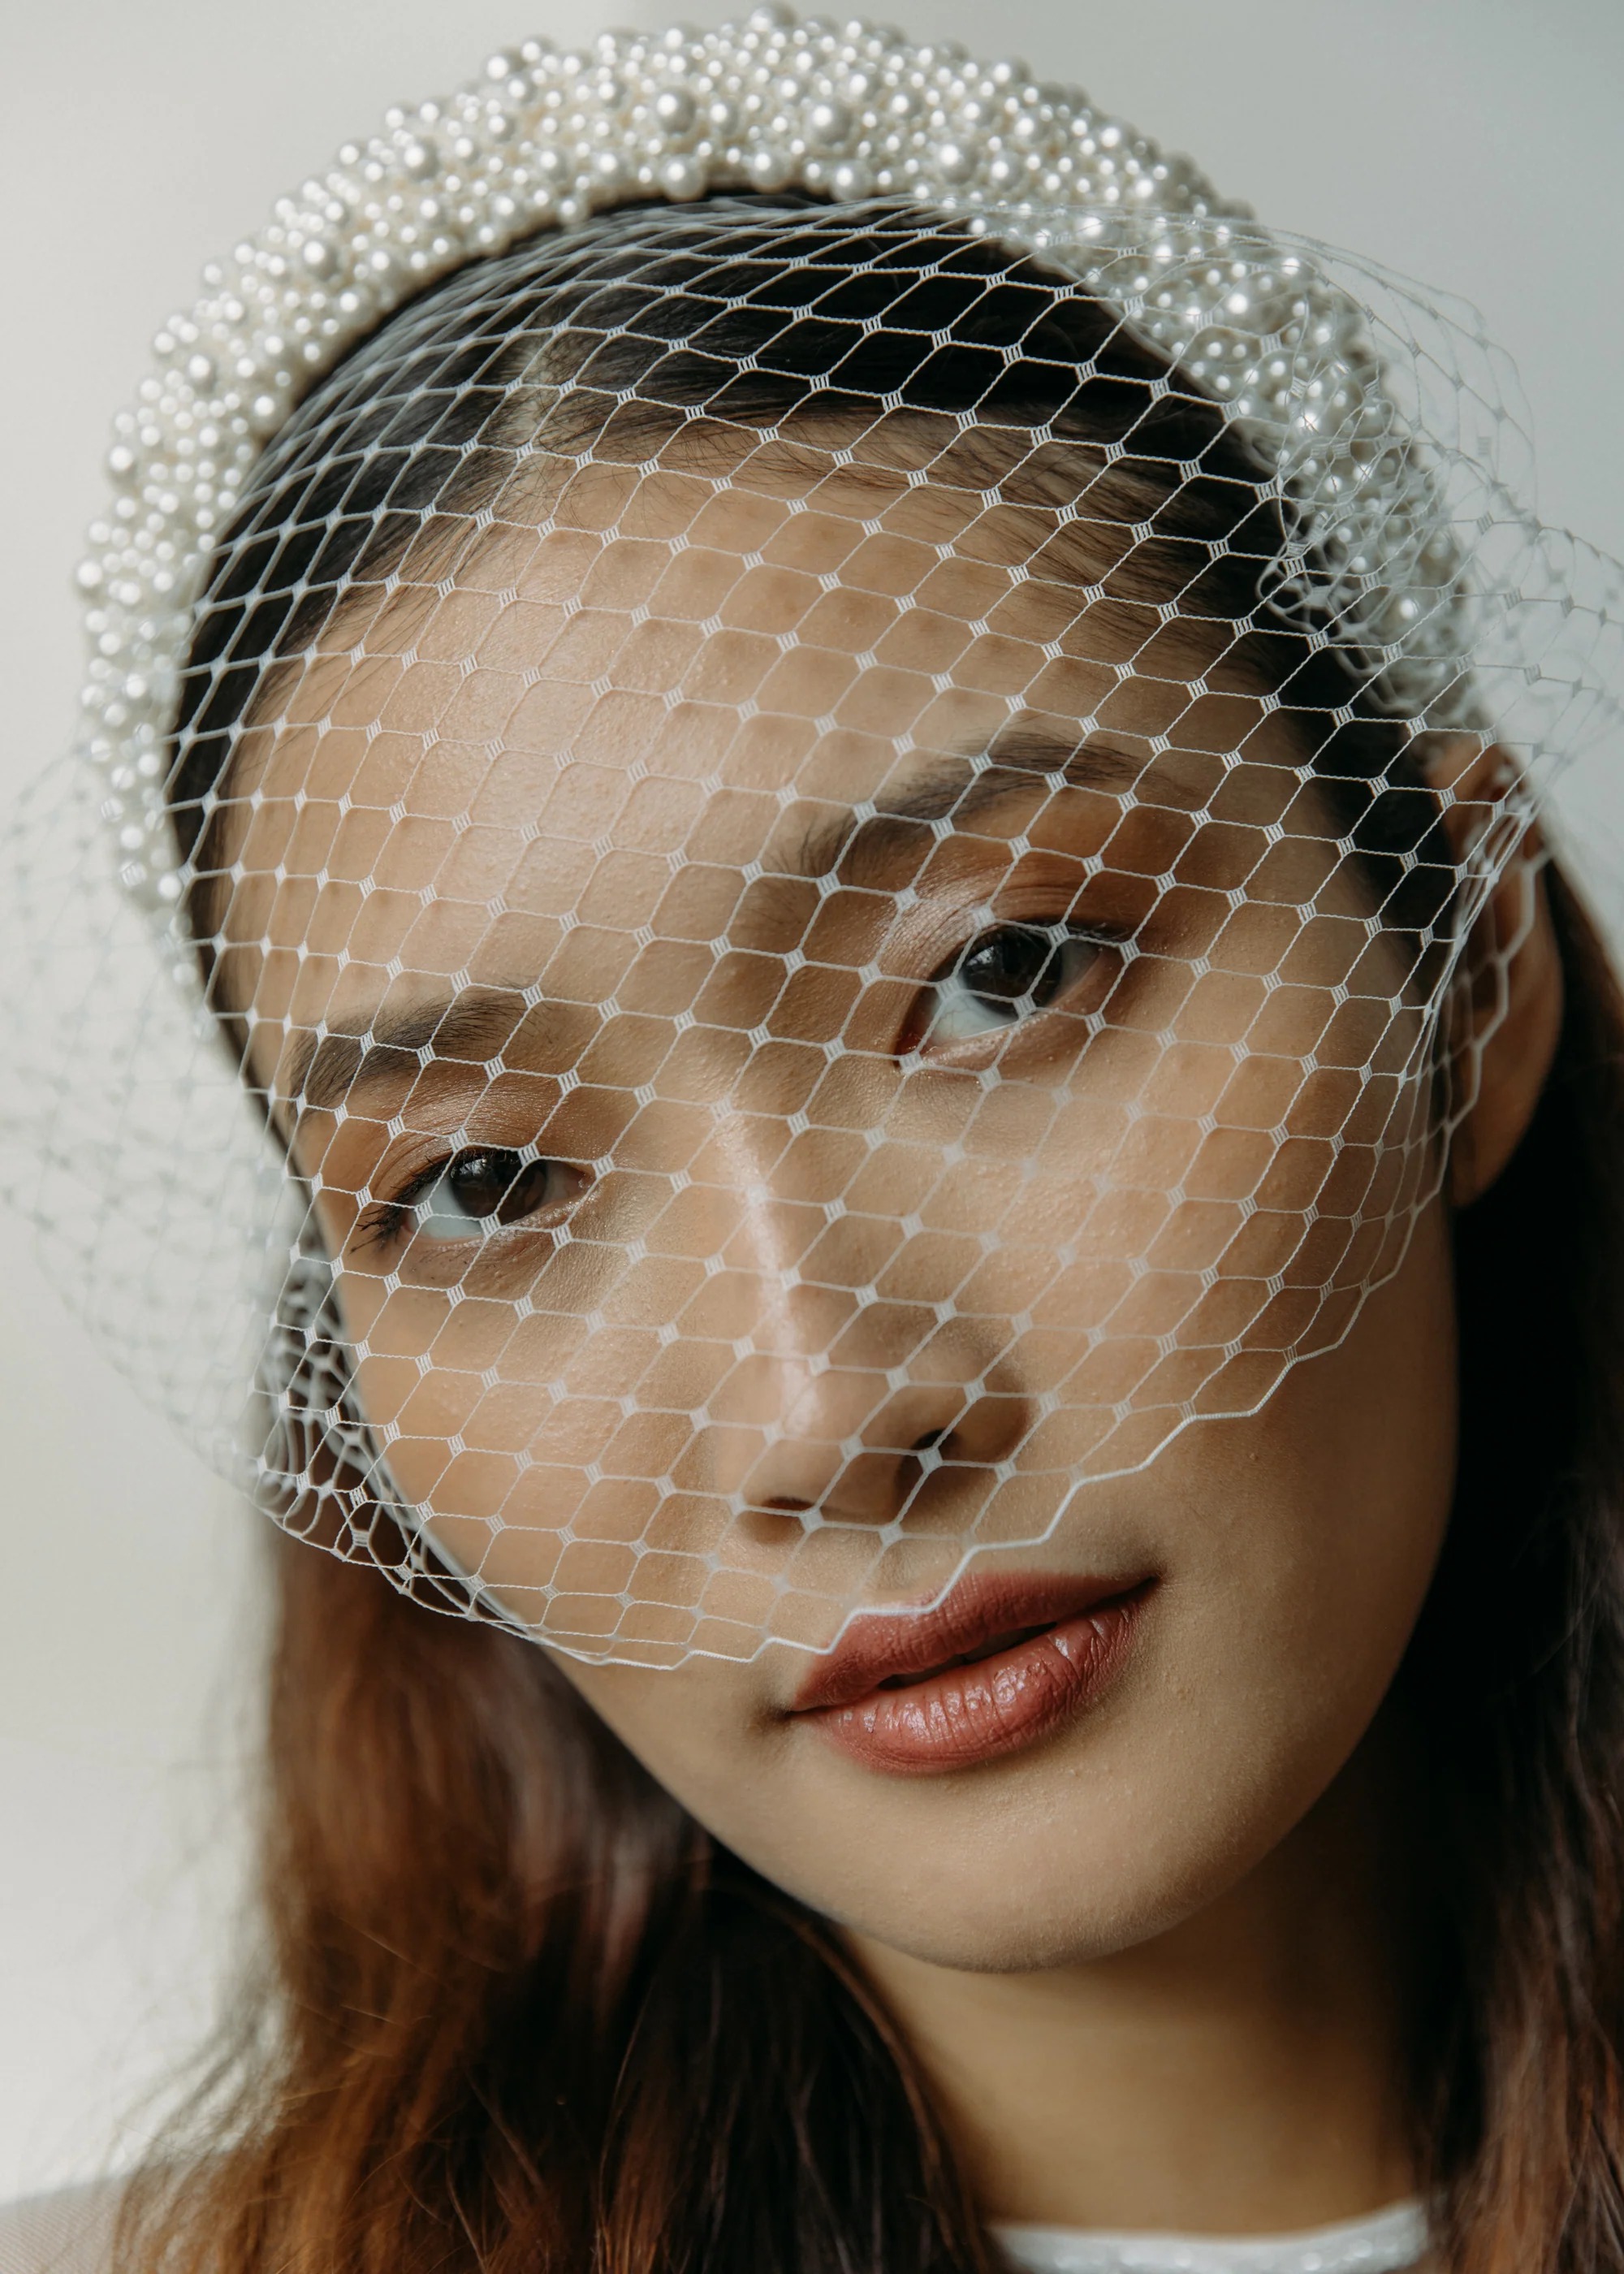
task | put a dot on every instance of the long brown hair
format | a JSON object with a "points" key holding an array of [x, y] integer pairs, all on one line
{"points": [[518, 2011]]}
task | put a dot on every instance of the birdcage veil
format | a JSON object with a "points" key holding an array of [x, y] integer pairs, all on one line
{"points": [[790, 771]]}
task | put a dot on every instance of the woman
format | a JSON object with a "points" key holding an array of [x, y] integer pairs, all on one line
{"points": [[856, 791]]}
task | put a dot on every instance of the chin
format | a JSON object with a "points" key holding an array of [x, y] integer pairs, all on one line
{"points": [[998, 1931], [1027, 1940], [1070, 1880], [1009, 1910]]}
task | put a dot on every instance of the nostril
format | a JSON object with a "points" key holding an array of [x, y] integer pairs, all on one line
{"points": [[777, 1526], [934, 1440]]}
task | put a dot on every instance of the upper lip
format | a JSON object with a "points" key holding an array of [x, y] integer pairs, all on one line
{"points": [[881, 1647]]}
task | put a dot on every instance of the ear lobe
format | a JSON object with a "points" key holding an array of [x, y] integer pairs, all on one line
{"points": [[1511, 991]]}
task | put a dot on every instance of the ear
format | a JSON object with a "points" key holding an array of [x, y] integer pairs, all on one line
{"points": [[1511, 991]]}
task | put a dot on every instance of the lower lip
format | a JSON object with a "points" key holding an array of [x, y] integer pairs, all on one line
{"points": [[968, 1715]]}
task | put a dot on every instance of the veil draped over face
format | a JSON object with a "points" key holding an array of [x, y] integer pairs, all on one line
{"points": [[788, 781]]}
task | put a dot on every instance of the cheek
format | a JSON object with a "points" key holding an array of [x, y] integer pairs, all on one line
{"points": [[1354, 1461]]}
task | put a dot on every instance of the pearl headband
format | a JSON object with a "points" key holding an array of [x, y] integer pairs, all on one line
{"points": [[546, 140], [919, 213]]}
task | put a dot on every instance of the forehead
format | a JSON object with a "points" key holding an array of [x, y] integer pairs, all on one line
{"points": [[544, 718]]}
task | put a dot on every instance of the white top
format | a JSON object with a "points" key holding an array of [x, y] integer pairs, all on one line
{"points": [[1390, 2240], [70, 2231]]}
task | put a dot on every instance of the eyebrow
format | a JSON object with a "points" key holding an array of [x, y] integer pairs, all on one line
{"points": [[956, 787], [321, 1071]]}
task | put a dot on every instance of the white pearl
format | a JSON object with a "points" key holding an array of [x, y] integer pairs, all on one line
{"points": [[768, 167], [829, 122], [674, 110]]}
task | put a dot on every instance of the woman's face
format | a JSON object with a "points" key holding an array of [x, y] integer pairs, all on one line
{"points": [[831, 1064]]}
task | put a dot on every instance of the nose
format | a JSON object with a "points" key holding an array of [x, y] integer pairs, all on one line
{"points": [[846, 1447], [851, 1397]]}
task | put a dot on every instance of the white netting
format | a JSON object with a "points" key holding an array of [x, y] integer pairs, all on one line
{"points": [[827, 876]]}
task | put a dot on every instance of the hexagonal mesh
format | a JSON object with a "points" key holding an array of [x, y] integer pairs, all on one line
{"points": [[816, 904]]}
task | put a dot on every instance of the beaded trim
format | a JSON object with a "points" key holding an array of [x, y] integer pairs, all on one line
{"points": [[853, 112]]}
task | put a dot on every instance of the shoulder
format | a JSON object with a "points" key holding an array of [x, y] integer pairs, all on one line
{"points": [[68, 2232]]}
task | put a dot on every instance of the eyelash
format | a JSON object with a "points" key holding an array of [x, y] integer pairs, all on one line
{"points": [[1042, 947], [389, 1222]]}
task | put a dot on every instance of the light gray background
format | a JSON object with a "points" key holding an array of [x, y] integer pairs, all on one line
{"points": [[1474, 143]]}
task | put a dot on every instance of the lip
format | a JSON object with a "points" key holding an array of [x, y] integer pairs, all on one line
{"points": [[1032, 1651]]}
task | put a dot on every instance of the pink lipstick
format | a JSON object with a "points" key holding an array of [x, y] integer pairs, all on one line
{"points": [[997, 1666]]}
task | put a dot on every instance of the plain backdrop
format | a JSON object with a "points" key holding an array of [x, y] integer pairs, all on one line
{"points": [[1473, 143]]}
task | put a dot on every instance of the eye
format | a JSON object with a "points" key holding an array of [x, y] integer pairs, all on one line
{"points": [[1004, 976], [485, 1187]]}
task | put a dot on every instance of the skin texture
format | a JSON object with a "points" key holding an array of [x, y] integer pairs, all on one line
{"points": [[1179, 1930]]}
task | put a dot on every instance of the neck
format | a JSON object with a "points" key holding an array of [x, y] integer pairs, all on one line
{"points": [[1243, 2073]]}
